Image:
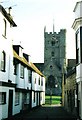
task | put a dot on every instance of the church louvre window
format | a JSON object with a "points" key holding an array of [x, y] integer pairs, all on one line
{"points": [[52, 43], [51, 67], [52, 54]]}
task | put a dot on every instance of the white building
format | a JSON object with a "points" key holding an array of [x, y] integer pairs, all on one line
{"points": [[77, 26], [22, 85]]}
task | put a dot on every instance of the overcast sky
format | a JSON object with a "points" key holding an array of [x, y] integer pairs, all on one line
{"points": [[32, 15]]}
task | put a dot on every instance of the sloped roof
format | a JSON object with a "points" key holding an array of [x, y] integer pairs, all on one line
{"points": [[7, 16], [31, 65], [23, 60], [36, 69]]}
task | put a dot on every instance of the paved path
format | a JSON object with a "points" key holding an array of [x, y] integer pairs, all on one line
{"points": [[46, 113]]}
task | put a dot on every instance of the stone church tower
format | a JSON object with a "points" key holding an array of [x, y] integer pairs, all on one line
{"points": [[54, 60]]}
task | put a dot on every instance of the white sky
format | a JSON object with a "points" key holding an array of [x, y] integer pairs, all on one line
{"points": [[32, 15]]}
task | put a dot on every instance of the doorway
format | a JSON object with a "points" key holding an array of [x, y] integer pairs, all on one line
{"points": [[10, 106]]}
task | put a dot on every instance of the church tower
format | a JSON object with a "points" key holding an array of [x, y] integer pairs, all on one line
{"points": [[54, 60]]}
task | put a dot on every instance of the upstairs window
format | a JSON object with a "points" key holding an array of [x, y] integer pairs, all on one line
{"points": [[15, 69], [22, 71], [5, 28], [39, 81], [78, 47], [3, 61], [35, 80], [30, 76]]}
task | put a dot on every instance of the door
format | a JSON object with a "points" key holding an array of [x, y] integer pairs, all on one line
{"points": [[37, 99], [10, 106]]}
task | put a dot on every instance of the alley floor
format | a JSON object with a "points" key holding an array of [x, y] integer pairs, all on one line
{"points": [[46, 112]]}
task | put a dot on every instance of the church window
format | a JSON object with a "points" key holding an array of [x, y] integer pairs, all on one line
{"points": [[52, 43], [52, 54]]}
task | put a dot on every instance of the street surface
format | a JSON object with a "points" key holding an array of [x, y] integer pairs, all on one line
{"points": [[46, 113]]}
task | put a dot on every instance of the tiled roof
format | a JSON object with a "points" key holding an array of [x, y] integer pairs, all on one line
{"points": [[24, 61], [36, 69]]}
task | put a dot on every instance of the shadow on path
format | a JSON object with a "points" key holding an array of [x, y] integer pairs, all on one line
{"points": [[46, 113]]}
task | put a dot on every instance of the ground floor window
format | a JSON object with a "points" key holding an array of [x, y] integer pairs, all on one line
{"points": [[17, 98], [26, 98], [34, 96], [2, 98]]}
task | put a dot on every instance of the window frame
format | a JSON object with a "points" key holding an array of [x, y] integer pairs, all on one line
{"points": [[2, 98], [3, 61]]}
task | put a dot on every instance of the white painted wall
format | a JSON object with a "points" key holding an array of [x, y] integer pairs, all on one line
{"points": [[6, 45], [78, 10], [79, 73]]}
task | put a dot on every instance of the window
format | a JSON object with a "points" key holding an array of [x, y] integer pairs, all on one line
{"points": [[30, 76], [78, 47], [26, 98], [15, 69], [3, 60], [34, 96], [17, 98], [52, 54], [39, 81], [5, 28], [35, 80], [52, 43], [2, 98], [51, 66], [22, 71]]}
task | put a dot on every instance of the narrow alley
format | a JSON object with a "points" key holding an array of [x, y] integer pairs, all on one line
{"points": [[46, 112]]}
